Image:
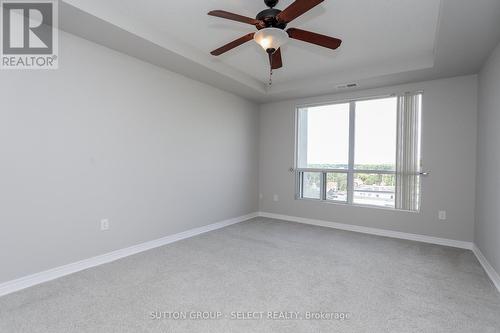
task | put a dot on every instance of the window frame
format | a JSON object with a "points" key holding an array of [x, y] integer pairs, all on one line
{"points": [[350, 171]]}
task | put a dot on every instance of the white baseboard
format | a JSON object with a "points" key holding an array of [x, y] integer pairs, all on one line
{"points": [[372, 231], [492, 273], [51, 274]]}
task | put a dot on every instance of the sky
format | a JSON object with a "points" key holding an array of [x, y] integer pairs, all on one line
{"points": [[375, 143]]}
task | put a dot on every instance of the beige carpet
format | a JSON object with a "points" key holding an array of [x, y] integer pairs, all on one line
{"points": [[268, 276]]}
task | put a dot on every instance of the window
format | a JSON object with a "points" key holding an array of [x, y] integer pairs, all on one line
{"points": [[363, 152]]}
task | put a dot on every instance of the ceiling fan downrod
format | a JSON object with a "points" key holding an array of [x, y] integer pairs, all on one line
{"points": [[271, 3], [270, 52]]}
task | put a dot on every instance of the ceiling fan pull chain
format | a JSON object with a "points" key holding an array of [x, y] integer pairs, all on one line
{"points": [[270, 70]]}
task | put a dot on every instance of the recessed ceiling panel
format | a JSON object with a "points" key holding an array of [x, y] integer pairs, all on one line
{"points": [[372, 32]]}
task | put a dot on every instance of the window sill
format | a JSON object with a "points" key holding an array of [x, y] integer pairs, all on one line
{"points": [[345, 204]]}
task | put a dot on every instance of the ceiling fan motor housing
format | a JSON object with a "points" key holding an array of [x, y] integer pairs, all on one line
{"points": [[268, 16]]}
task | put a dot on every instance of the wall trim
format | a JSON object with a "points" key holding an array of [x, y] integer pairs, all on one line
{"points": [[372, 231], [492, 273], [55, 273]]}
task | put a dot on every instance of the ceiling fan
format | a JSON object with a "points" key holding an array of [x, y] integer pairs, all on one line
{"points": [[271, 34]]}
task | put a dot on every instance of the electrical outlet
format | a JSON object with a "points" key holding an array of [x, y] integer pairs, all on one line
{"points": [[442, 215], [276, 198], [104, 224], [261, 196]]}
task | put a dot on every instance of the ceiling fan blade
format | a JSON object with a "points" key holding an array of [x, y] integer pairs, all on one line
{"points": [[296, 9], [314, 38], [233, 44], [275, 59], [234, 17]]}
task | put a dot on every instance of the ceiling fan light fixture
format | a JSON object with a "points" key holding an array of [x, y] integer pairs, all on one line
{"points": [[271, 38]]}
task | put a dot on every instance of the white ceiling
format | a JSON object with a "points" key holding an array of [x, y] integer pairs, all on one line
{"points": [[394, 29], [383, 39]]}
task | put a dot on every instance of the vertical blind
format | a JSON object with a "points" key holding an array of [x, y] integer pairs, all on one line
{"points": [[408, 159]]}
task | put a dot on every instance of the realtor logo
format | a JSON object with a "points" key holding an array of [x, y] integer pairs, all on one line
{"points": [[29, 34]]}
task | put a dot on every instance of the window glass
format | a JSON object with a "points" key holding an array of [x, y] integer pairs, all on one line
{"points": [[375, 143], [311, 185], [374, 189], [324, 137], [336, 187]]}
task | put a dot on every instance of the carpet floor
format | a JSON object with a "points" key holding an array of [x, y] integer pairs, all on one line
{"points": [[266, 275]]}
